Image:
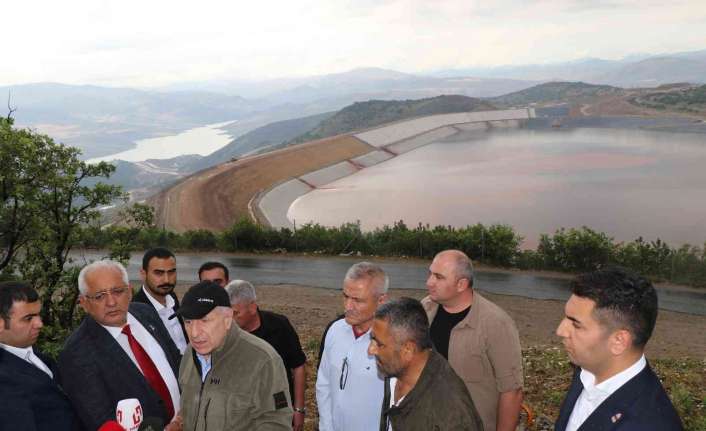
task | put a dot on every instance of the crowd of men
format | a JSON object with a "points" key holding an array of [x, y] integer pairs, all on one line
{"points": [[216, 361]]}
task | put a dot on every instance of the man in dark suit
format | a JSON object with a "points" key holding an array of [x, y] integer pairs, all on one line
{"points": [[120, 351], [31, 397], [609, 319], [159, 275]]}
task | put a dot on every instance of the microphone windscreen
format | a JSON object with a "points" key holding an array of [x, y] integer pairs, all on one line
{"points": [[152, 424], [128, 414], [111, 426]]}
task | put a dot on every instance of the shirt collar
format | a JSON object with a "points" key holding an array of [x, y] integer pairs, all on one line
{"points": [[156, 304], [612, 384], [20, 352], [115, 331]]}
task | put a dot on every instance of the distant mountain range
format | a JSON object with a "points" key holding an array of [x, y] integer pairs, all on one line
{"points": [[633, 71]]}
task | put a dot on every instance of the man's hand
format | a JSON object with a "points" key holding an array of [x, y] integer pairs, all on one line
{"points": [[175, 425], [298, 421]]}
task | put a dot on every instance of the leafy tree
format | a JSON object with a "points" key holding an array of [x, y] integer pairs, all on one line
{"points": [[45, 201]]}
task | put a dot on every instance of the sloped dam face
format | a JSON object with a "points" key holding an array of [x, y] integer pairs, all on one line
{"points": [[627, 183]]}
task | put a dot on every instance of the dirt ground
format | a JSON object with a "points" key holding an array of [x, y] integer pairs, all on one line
{"points": [[311, 308], [214, 198]]}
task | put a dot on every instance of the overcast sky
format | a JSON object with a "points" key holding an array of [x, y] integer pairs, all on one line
{"points": [[153, 42]]}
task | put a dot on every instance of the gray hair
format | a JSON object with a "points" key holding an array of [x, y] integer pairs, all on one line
{"points": [[407, 321], [241, 291], [462, 265], [367, 270], [98, 265]]}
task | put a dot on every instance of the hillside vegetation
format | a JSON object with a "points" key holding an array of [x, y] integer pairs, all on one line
{"points": [[679, 98], [554, 92], [364, 115]]}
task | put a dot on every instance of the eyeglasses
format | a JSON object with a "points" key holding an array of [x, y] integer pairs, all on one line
{"points": [[344, 374], [116, 292]]}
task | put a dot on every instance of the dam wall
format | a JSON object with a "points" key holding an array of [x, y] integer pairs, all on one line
{"points": [[386, 142]]}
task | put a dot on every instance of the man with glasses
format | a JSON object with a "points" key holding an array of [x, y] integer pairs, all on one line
{"points": [[478, 338], [159, 276], [121, 350], [349, 389]]}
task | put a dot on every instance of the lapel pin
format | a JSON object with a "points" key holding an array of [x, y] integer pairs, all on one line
{"points": [[616, 417]]}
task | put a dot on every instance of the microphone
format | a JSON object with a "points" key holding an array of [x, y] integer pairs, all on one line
{"points": [[152, 424], [129, 414], [111, 426]]}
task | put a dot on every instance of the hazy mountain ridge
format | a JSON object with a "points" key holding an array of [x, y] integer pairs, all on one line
{"points": [[554, 92], [632, 71]]}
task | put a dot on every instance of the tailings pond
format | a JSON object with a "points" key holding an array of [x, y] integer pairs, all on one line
{"points": [[627, 183]]}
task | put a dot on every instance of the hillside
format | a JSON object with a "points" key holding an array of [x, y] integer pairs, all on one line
{"points": [[554, 92], [364, 115], [264, 138], [684, 98]]}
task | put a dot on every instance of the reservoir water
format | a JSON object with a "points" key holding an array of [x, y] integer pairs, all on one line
{"points": [[627, 183], [200, 140]]}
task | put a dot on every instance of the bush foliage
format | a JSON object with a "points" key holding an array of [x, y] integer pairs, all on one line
{"points": [[571, 250]]}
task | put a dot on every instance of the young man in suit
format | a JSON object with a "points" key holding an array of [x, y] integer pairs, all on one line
{"points": [[29, 389], [121, 350], [159, 276], [608, 320]]}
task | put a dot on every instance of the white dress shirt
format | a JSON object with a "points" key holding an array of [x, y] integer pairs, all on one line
{"points": [[356, 407], [173, 326], [393, 384], [27, 354], [593, 395], [153, 349]]}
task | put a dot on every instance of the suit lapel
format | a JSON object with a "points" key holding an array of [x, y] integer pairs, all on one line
{"points": [[112, 352], [570, 401], [29, 370], [152, 329], [616, 408]]}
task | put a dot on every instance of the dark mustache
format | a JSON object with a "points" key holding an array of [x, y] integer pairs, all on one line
{"points": [[167, 285]]}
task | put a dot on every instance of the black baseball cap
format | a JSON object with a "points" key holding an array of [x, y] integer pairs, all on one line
{"points": [[201, 299]]}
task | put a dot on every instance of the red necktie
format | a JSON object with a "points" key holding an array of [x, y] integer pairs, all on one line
{"points": [[150, 371]]}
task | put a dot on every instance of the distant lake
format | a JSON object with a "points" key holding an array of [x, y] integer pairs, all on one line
{"points": [[627, 183], [200, 140]]}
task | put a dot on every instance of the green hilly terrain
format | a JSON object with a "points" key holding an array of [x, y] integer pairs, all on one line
{"points": [[364, 115], [683, 97], [554, 92]]}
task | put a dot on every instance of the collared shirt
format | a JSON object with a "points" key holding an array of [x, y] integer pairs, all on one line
{"points": [[173, 326], [593, 395], [393, 386], [27, 354], [349, 389], [205, 362], [153, 349], [485, 352]]}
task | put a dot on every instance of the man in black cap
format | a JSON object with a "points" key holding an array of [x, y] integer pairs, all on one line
{"points": [[230, 379]]}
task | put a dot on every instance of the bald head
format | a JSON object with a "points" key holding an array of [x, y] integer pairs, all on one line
{"points": [[459, 262], [450, 280]]}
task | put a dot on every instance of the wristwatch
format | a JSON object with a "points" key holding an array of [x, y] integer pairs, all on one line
{"points": [[301, 410]]}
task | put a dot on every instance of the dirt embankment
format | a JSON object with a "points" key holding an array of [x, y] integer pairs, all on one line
{"points": [[214, 198]]}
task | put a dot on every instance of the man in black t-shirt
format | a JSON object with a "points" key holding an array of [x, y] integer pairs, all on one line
{"points": [[279, 332]]}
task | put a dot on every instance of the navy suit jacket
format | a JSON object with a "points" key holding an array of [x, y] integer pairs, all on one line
{"points": [[97, 373], [641, 404], [140, 296], [31, 400]]}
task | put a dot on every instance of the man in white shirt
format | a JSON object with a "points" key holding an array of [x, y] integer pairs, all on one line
{"points": [[159, 277], [120, 351], [349, 389], [29, 385], [608, 320]]}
